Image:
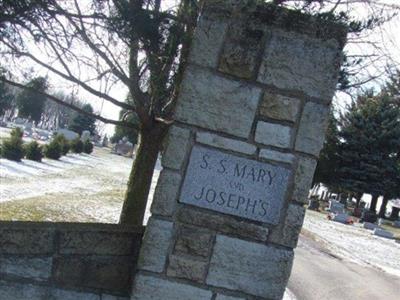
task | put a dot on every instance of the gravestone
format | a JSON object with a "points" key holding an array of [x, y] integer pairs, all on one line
{"points": [[124, 147], [368, 216], [382, 221], [342, 218], [239, 160], [68, 134], [85, 135], [336, 207], [370, 226], [383, 233]]}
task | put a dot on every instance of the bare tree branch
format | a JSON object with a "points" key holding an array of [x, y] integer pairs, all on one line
{"points": [[71, 106]]}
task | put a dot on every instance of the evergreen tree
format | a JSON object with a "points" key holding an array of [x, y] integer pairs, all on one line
{"points": [[370, 140], [12, 147], [33, 151], [392, 87], [6, 97], [31, 104], [82, 122], [326, 171], [77, 145], [53, 150], [122, 131], [139, 44]]}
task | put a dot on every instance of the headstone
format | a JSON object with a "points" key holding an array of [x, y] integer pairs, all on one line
{"points": [[382, 221], [20, 121], [104, 142], [370, 226], [357, 212], [238, 162], [313, 204], [336, 207], [383, 233], [28, 126], [368, 216], [124, 147], [342, 218], [395, 214], [85, 135], [68, 134]]}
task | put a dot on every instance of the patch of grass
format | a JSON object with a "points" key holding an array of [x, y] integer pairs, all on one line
{"points": [[101, 207], [392, 229]]}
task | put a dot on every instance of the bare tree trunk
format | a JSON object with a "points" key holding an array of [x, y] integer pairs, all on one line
{"points": [[395, 214], [358, 199], [374, 201], [382, 210], [141, 176]]}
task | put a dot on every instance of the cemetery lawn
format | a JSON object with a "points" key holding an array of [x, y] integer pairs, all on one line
{"points": [[76, 188], [90, 188], [353, 243], [394, 230]]}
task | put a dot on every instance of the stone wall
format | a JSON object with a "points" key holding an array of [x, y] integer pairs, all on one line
{"points": [[67, 261], [254, 102]]}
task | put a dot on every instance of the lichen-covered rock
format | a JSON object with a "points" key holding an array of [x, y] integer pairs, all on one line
{"points": [[151, 288], [272, 134], [279, 107], [187, 268], [155, 245], [193, 241], [287, 234], [277, 156], [225, 143], [207, 42], [222, 223], [176, 147], [241, 48], [297, 62], [256, 269], [166, 193], [303, 179], [311, 133], [206, 97]]}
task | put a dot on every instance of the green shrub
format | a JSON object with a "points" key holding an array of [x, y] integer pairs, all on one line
{"points": [[33, 151], [65, 146], [87, 147], [53, 150], [77, 146], [12, 147]]}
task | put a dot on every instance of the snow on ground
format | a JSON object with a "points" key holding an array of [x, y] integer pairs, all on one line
{"points": [[90, 188], [76, 188], [288, 295], [354, 243]]}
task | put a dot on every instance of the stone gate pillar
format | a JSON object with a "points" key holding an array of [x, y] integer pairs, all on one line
{"points": [[239, 160]]}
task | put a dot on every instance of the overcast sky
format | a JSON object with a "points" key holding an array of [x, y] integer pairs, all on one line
{"points": [[387, 37]]}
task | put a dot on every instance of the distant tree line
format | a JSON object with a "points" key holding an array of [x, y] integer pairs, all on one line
{"points": [[32, 105], [143, 46], [362, 150]]}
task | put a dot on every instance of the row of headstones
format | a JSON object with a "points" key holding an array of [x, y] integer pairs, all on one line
{"points": [[341, 216]]}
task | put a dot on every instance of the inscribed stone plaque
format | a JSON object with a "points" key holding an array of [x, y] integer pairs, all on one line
{"points": [[234, 185]]}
